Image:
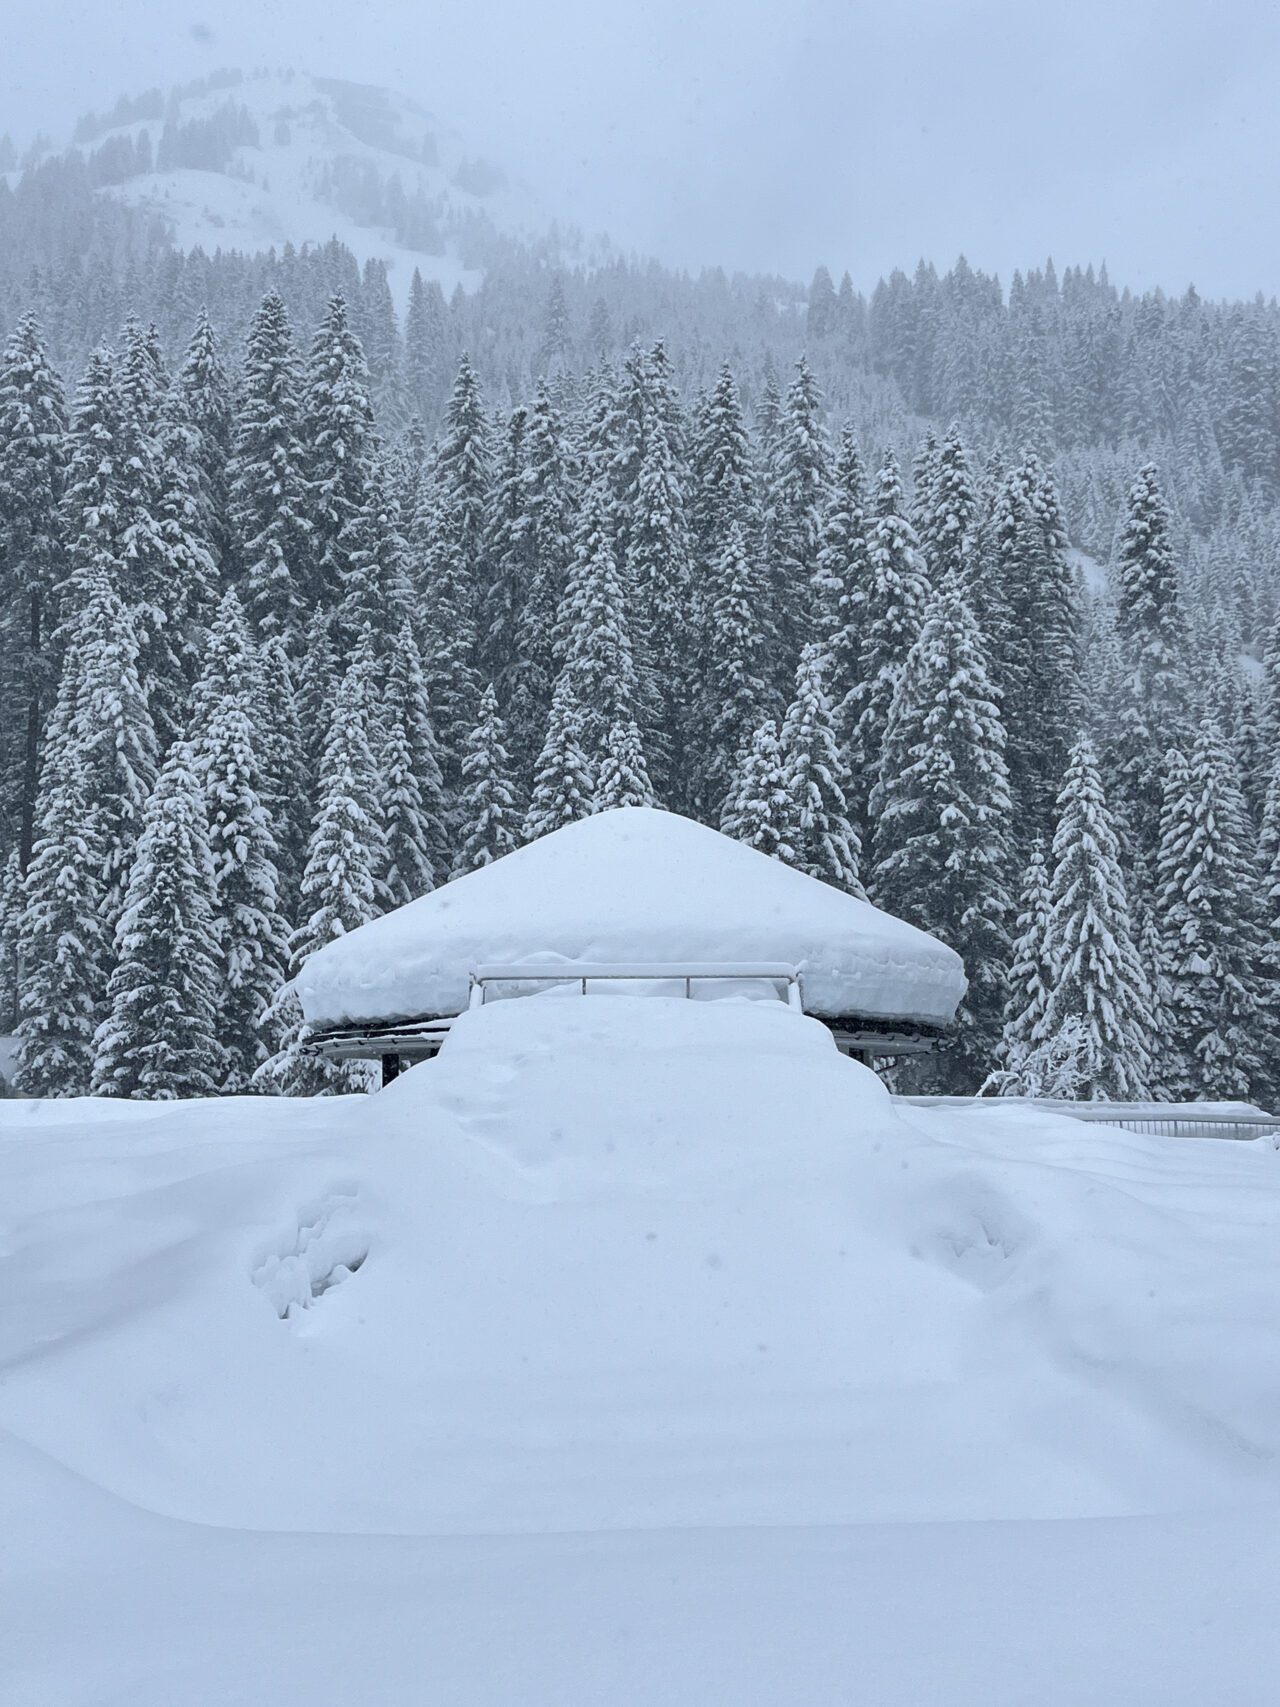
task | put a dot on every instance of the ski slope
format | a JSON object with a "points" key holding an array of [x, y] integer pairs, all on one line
{"points": [[640, 1351]]}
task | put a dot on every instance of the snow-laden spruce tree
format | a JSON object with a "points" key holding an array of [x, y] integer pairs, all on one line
{"points": [[593, 635], [1030, 980], [413, 805], [843, 573], [798, 491], [11, 906], [722, 492], [948, 517], [1171, 1069], [267, 500], [757, 809], [1153, 689], [623, 778], [91, 504], [250, 934], [424, 347], [734, 678], [33, 457], [339, 450], [563, 786], [891, 618], [817, 836], [489, 813], [658, 576], [1210, 906], [110, 722], [940, 817], [61, 937], [160, 1037], [157, 551], [1269, 862], [285, 774], [449, 538], [1099, 1003], [1024, 594], [204, 392], [340, 890], [535, 558], [377, 598]]}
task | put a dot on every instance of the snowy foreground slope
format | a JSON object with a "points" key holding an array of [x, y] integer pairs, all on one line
{"points": [[633, 1351]]}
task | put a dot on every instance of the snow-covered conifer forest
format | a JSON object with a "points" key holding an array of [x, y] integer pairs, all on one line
{"points": [[960, 595]]}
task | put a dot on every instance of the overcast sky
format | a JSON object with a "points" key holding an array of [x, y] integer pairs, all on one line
{"points": [[774, 134]]}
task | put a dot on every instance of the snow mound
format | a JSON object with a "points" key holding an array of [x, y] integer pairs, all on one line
{"points": [[633, 1350], [633, 886]]}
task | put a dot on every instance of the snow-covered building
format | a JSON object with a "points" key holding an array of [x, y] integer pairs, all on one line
{"points": [[630, 900]]}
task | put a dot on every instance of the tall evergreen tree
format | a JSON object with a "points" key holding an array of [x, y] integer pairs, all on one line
{"points": [[340, 443], [949, 516], [733, 677], [843, 574], [489, 814], [11, 906], [758, 809], [798, 499], [624, 777], [413, 805], [250, 936], [205, 396], [659, 578], [817, 836], [1098, 1022], [1031, 978], [106, 712], [62, 940], [941, 813], [340, 890], [1213, 930], [563, 787], [450, 539], [33, 429], [160, 1039], [1023, 593], [892, 617], [593, 635], [541, 546], [266, 501], [1153, 702]]}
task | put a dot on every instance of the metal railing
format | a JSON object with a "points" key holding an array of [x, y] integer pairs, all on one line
{"points": [[1166, 1120], [785, 979]]}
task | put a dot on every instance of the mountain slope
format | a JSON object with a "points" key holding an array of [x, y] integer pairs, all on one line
{"points": [[251, 162]]}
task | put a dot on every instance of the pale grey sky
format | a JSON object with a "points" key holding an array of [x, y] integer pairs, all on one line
{"points": [[776, 135]]}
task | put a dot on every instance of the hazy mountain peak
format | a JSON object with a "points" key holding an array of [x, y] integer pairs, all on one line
{"points": [[253, 160]]}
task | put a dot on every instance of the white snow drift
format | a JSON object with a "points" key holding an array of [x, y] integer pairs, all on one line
{"points": [[638, 1351], [631, 886]]}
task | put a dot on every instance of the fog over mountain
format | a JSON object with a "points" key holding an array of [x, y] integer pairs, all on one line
{"points": [[771, 138]]}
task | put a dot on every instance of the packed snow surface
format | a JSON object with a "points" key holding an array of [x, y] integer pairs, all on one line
{"points": [[633, 1351], [633, 886]]}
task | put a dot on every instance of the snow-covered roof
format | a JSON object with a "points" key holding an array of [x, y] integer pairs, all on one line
{"points": [[633, 885]]}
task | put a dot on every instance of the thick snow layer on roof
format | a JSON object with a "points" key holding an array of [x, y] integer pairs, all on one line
{"points": [[633, 886], [633, 1352]]}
